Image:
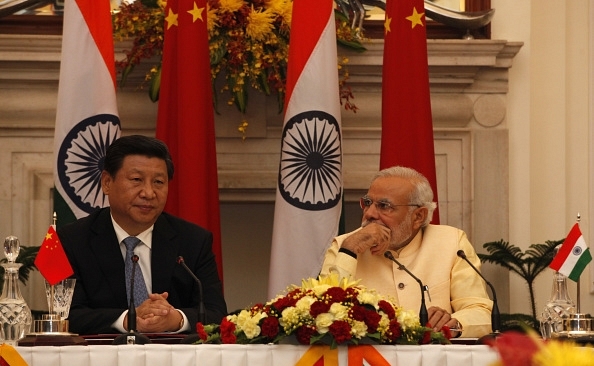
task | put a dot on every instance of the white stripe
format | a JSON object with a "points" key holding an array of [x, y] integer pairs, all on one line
{"points": [[572, 259]]}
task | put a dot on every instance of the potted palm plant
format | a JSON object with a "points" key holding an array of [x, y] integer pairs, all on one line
{"points": [[528, 265]]}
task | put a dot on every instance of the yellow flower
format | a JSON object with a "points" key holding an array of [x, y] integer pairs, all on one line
{"points": [[556, 353], [231, 5], [331, 280], [284, 9], [259, 26]]}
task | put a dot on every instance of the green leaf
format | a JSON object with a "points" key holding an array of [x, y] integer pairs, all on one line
{"points": [[155, 85], [353, 45]]}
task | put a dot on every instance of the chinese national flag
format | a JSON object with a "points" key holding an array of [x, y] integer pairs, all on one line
{"points": [[186, 119], [51, 260], [407, 126]]}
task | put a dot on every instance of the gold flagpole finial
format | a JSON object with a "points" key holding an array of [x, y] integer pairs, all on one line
{"points": [[55, 218]]}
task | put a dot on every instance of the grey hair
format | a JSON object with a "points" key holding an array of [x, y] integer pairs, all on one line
{"points": [[422, 194]]}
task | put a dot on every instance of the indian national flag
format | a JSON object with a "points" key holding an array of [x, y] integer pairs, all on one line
{"points": [[87, 119], [573, 256], [309, 187]]}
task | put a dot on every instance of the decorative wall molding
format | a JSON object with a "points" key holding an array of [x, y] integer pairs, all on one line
{"points": [[468, 81]]}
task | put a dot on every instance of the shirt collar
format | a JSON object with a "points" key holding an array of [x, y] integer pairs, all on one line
{"points": [[146, 237]]}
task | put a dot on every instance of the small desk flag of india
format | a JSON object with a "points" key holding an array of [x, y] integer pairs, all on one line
{"points": [[51, 260], [573, 256]]}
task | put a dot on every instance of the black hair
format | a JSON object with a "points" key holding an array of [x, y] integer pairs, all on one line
{"points": [[136, 145]]}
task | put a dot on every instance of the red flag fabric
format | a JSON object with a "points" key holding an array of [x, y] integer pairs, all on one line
{"points": [[51, 260], [309, 188], [407, 126], [185, 119]]}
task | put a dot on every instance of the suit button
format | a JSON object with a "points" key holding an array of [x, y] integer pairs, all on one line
{"points": [[401, 285]]}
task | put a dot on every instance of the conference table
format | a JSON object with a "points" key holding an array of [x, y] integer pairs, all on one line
{"points": [[260, 355]]}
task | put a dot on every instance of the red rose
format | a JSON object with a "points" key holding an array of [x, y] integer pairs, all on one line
{"points": [[426, 338], [283, 303], [201, 332], [304, 334], [228, 332], [372, 320], [394, 331], [514, 348], [336, 294], [446, 332], [270, 327], [358, 313], [318, 308], [341, 330], [387, 308]]}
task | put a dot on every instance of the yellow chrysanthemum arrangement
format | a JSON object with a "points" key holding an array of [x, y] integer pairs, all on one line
{"points": [[516, 348], [249, 41]]}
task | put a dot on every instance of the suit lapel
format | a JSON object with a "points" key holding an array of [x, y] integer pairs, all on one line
{"points": [[106, 249], [163, 254]]}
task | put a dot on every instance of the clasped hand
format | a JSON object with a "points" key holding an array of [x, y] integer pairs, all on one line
{"points": [[372, 236], [156, 315]]}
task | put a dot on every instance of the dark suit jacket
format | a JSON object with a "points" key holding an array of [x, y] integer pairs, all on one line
{"points": [[100, 292]]}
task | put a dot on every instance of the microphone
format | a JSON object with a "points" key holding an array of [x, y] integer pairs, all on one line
{"points": [[495, 315], [423, 315], [132, 337], [201, 309], [193, 338]]}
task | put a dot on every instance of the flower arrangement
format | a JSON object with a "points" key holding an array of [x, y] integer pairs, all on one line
{"points": [[519, 349], [248, 45], [327, 310]]}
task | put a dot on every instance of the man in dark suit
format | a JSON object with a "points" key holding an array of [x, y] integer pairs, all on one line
{"points": [[136, 173]]}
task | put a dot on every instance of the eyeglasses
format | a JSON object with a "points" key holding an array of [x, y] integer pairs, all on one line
{"points": [[383, 207]]}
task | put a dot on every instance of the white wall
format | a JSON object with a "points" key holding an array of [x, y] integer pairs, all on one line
{"points": [[549, 129]]}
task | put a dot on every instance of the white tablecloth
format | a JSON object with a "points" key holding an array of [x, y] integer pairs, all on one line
{"points": [[246, 355]]}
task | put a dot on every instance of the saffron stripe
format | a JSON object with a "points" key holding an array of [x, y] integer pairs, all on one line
{"points": [[567, 247]]}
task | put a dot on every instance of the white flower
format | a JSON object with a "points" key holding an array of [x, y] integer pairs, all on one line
{"points": [[358, 329], [323, 322], [249, 323], [370, 298], [339, 311], [407, 319], [304, 304]]}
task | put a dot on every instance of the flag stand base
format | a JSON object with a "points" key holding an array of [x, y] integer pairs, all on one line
{"points": [[48, 339], [51, 330]]}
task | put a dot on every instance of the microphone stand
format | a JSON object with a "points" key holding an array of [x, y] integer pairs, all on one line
{"points": [[495, 315], [423, 314], [193, 338], [132, 337]]}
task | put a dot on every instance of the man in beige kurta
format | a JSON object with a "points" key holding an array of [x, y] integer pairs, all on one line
{"points": [[396, 214]]}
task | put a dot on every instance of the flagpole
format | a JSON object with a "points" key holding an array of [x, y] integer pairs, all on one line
{"points": [[578, 281], [52, 293]]}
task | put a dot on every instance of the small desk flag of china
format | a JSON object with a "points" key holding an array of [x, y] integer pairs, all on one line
{"points": [[573, 256], [51, 261]]}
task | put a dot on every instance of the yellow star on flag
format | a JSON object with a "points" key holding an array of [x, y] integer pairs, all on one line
{"points": [[48, 236], [387, 25], [171, 19], [415, 18], [196, 13]]}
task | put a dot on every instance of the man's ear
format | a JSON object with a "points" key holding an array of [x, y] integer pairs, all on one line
{"points": [[419, 217], [105, 182]]}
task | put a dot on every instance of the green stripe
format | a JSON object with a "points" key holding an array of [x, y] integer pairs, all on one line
{"points": [[582, 262], [63, 212]]}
